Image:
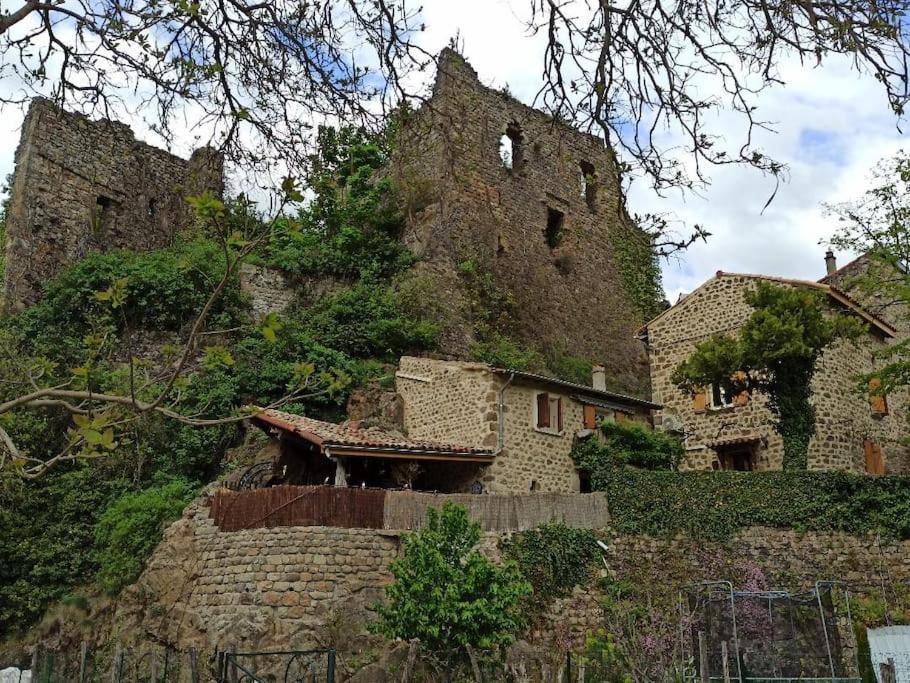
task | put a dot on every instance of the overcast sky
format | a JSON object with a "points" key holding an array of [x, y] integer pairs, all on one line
{"points": [[832, 126]]}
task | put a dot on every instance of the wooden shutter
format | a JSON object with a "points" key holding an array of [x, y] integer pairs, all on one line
{"points": [[742, 398], [543, 411], [590, 416], [877, 401], [875, 463], [700, 400], [559, 414]]}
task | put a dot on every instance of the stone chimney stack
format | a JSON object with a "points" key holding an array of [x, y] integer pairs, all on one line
{"points": [[599, 377], [830, 261]]}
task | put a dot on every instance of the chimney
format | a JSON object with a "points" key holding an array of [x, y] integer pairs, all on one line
{"points": [[599, 377], [830, 261]]}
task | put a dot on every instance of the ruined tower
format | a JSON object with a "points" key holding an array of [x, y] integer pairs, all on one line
{"points": [[83, 186], [490, 181]]}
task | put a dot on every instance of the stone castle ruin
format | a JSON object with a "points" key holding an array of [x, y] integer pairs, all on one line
{"points": [[83, 186], [537, 203]]}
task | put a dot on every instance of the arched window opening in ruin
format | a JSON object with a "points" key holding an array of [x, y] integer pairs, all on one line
{"points": [[588, 184], [556, 220], [510, 147], [152, 207]]}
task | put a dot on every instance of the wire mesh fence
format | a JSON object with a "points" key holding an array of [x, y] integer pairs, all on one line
{"points": [[771, 635]]}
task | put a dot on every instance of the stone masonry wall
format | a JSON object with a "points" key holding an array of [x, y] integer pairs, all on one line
{"points": [[464, 204], [457, 402], [844, 417], [281, 588], [268, 289], [82, 186]]}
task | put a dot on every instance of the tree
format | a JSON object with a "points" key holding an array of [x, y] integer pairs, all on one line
{"points": [[104, 408], [878, 225], [449, 596], [775, 353], [256, 74]]}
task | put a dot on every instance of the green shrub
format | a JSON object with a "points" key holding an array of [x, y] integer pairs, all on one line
{"points": [[131, 526], [369, 320], [447, 594], [165, 290], [718, 504], [47, 531], [553, 558], [502, 352], [627, 443]]}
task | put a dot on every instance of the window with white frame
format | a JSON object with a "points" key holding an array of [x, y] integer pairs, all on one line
{"points": [[720, 397], [548, 413]]}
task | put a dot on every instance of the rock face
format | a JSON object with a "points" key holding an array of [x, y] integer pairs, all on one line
{"points": [[82, 186], [490, 182]]}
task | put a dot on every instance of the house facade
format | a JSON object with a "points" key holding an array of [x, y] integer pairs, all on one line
{"points": [[465, 427], [854, 432]]}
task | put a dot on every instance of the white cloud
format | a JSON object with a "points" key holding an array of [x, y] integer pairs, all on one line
{"points": [[832, 126]]}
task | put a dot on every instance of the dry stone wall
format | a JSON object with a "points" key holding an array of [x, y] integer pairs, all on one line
{"points": [[82, 186], [844, 416], [545, 240]]}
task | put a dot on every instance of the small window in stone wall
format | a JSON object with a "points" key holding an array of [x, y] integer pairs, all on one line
{"points": [[152, 207], [102, 215], [549, 413], [556, 221], [510, 148], [588, 184]]}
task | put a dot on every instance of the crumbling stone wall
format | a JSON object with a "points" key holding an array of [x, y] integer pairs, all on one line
{"points": [[463, 204], [268, 289], [82, 186], [844, 417]]}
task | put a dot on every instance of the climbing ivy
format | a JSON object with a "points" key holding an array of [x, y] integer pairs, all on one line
{"points": [[639, 270], [553, 558], [716, 505]]}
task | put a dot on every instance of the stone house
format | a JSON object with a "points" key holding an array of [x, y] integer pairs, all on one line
{"points": [[464, 427], [854, 432]]}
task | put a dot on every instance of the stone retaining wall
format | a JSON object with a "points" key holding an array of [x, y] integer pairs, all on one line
{"points": [[289, 586]]}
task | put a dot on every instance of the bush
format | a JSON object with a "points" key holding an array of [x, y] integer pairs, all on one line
{"points": [[627, 443], [47, 531], [502, 352], [553, 558], [448, 595], [718, 504], [369, 320], [131, 526]]}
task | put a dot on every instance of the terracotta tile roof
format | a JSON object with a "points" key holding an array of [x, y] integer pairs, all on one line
{"points": [[584, 389], [352, 436], [735, 440]]}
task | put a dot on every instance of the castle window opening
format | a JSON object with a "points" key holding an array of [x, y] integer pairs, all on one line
{"points": [[588, 184], [102, 215], [510, 147], [555, 227], [152, 207]]}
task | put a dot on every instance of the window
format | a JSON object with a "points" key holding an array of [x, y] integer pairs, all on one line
{"points": [[588, 184], [549, 413], [720, 397], [877, 400], [152, 207], [101, 218], [584, 481], [555, 223], [738, 457], [510, 147]]}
